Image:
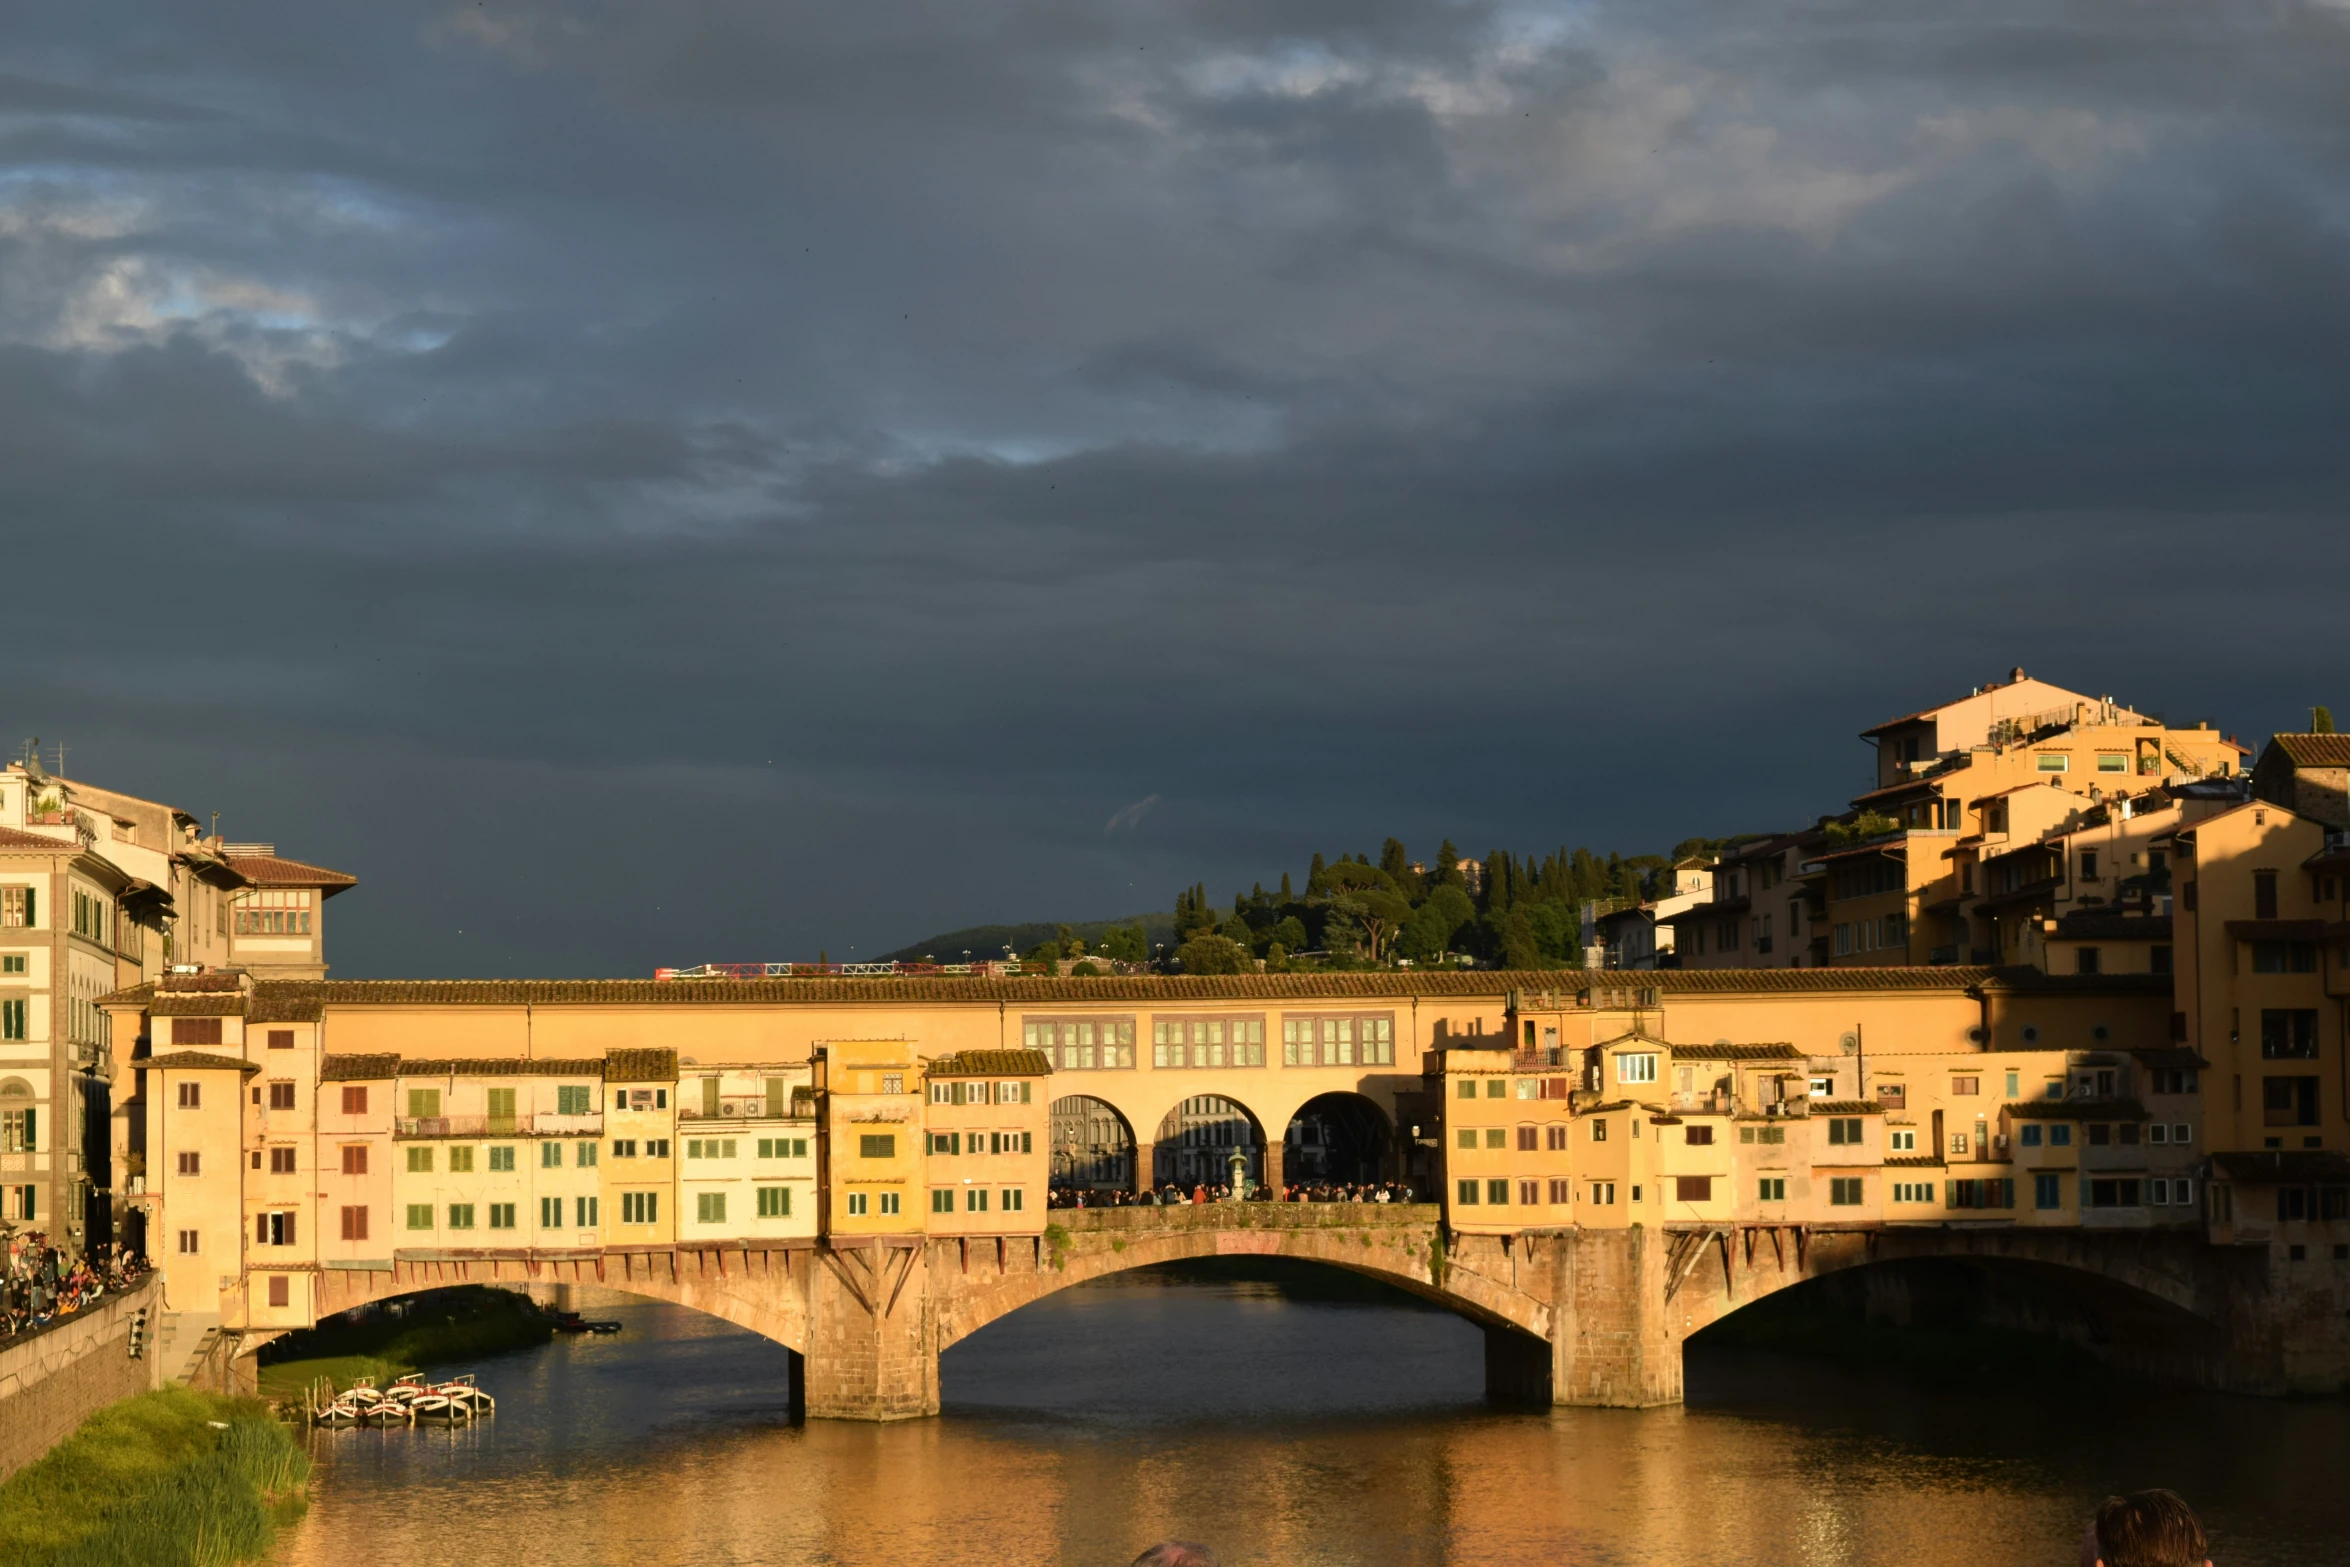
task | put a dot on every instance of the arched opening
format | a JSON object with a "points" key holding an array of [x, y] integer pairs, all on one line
{"points": [[1093, 1147], [1197, 1142], [1957, 1319], [1337, 1139]]}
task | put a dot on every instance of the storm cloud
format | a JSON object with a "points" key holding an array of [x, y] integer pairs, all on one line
{"points": [[649, 484]]}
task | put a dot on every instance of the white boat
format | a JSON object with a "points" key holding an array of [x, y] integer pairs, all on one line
{"points": [[338, 1413]]}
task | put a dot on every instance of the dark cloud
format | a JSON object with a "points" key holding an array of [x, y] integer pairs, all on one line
{"points": [[639, 485]]}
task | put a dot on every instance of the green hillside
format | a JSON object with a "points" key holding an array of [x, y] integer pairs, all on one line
{"points": [[989, 941]]}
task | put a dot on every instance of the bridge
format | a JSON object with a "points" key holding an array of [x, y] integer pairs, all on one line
{"points": [[1571, 1316]]}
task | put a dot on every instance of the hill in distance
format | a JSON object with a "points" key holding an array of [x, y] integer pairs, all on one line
{"points": [[989, 941]]}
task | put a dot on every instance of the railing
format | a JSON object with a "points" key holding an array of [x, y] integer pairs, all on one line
{"points": [[535, 1125], [759, 1112]]}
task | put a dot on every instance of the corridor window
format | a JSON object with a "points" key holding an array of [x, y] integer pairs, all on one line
{"points": [[1086, 1044], [783, 1148], [1363, 1039], [1211, 1042]]}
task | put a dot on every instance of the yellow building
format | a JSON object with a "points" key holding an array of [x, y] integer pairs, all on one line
{"points": [[639, 1169], [987, 1124], [870, 1119], [195, 1189], [748, 1152]]}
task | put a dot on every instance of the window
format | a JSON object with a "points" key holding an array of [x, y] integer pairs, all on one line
{"points": [[783, 1148], [19, 909], [2053, 762], [1496, 1137], [623, 1147], [1913, 1191], [354, 1158], [281, 1161], [1467, 1089], [2112, 762], [274, 911], [584, 1212], [424, 1104], [501, 1216], [1639, 1068], [1529, 1087], [1176, 1042], [2047, 1191], [2288, 1101], [893, 1082], [461, 1161], [14, 963], [1997, 1192], [774, 1202], [1693, 1188], [1603, 1193], [1699, 1136], [1903, 1140], [191, 1162], [420, 1216], [975, 1200], [190, 1243], [1555, 1137], [710, 1207], [857, 1201], [2028, 1135], [2088, 865], [281, 1290], [640, 1207], [281, 1095], [877, 1145], [2179, 1134], [1529, 1138], [1599, 1131], [1844, 1191], [460, 1216], [13, 1023], [273, 1229], [1844, 1130], [1823, 1088], [2015, 1084], [354, 1100], [1561, 1192], [1466, 1137], [550, 1213], [2113, 1194], [1082, 1044], [571, 1099], [2060, 1136], [2086, 960], [502, 1159], [2284, 957], [2264, 895], [1497, 1193], [2288, 1034], [1015, 1199], [191, 1096], [1965, 1087], [420, 1161], [585, 1155], [889, 1202], [281, 1039], [1363, 1040], [550, 1156], [1465, 1193], [500, 1103]]}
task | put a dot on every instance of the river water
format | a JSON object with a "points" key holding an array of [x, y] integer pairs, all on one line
{"points": [[1287, 1429]]}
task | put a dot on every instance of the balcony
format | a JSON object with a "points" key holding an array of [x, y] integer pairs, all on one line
{"points": [[537, 1125]]}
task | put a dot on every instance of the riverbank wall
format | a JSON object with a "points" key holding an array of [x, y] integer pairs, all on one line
{"points": [[54, 1379]]}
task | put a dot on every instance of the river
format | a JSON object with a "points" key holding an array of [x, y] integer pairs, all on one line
{"points": [[1287, 1428]]}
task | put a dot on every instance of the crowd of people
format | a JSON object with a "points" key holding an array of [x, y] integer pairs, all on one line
{"points": [[39, 1283], [1172, 1195]]}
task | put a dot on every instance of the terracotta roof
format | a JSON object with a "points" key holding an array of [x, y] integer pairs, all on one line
{"points": [[1779, 1052], [640, 1066], [289, 1004], [2279, 1169], [2108, 1109], [2170, 1058], [195, 1006], [502, 1066], [1924, 1161], [353, 1069], [992, 1063], [1846, 1107], [2314, 750], [1136, 989], [212, 980], [12, 841], [195, 1061], [271, 870]]}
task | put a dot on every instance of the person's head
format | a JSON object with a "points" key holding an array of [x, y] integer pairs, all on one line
{"points": [[1177, 1553], [2150, 1529]]}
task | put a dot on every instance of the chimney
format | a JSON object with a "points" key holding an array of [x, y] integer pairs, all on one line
{"points": [[2015, 676]]}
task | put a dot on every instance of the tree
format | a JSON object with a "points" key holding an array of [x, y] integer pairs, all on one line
{"points": [[1237, 932], [1042, 952], [1287, 897], [1314, 873], [1342, 927], [1383, 915], [1290, 933], [1518, 947], [2321, 720], [1213, 954], [1429, 931], [1276, 959], [1448, 866], [1125, 944]]}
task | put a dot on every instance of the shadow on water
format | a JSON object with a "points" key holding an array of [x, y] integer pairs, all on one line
{"points": [[1291, 1416]]}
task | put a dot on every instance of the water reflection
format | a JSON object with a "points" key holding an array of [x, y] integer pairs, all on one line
{"points": [[1285, 1430]]}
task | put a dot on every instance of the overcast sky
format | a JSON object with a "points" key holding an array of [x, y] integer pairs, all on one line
{"points": [[646, 484]]}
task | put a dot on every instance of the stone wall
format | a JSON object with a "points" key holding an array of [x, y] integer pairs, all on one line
{"points": [[53, 1381]]}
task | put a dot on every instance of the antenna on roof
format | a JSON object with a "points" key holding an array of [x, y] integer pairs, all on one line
{"points": [[215, 824], [61, 758]]}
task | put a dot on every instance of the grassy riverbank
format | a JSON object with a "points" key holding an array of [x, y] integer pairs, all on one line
{"points": [[464, 1323], [168, 1479]]}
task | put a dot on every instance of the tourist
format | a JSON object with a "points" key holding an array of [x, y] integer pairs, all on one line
{"points": [[1177, 1553], [2148, 1529]]}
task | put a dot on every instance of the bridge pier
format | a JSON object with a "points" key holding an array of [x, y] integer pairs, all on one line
{"points": [[872, 1334]]}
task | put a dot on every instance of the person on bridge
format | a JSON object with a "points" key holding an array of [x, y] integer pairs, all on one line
{"points": [[2146, 1529]]}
